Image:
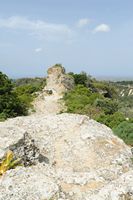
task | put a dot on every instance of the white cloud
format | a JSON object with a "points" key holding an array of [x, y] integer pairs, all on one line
{"points": [[37, 50], [39, 28], [102, 28], [83, 22]]}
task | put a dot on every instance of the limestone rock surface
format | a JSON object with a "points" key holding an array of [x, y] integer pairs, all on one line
{"points": [[58, 81], [27, 184], [68, 156]]}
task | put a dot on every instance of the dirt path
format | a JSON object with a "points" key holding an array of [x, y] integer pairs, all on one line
{"points": [[48, 104]]}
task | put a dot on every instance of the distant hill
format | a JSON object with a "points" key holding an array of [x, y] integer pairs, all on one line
{"points": [[114, 78], [32, 81]]}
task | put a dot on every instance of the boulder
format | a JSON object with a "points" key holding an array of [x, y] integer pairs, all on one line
{"points": [[70, 157]]}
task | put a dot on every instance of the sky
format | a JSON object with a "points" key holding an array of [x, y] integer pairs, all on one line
{"points": [[95, 36]]}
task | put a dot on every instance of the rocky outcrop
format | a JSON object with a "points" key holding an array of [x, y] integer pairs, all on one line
{"points": [[65, 156], [28, 184], [57, 83], [125, 90]]}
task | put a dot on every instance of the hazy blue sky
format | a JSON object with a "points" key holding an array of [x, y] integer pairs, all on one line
{"points": [[95, 36]]}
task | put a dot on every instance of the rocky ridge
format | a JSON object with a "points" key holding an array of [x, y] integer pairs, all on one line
{"points": [[49, 100], [64, 157]]}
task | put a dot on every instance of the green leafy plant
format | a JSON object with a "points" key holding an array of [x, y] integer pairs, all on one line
{"points": [[109, 106], [125, 131], [111, 121], [8, 162], [10, 104]]}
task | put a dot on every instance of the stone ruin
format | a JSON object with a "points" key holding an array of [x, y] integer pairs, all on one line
{"points": [[58, 81]]}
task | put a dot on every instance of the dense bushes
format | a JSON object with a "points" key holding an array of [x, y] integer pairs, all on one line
{"points": [[107, 89], [10, 104], [16, 96], [107, 105], [81, 79], [5, 84], [112, 120], [36, 83], [79, 98], [25, 94], [125, 131], [26, 89], [83, 100]]}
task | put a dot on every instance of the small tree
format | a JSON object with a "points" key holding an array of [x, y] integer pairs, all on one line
{"points": [[81, 79], [10, 104]]}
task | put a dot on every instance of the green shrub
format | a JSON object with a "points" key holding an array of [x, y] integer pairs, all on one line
{"points": [[111, 121], [125, 131], [77, 99], [5, 84], [80, 100], [79, 79], [36, 82], [25, 94], [10, 104], [94, 97], [2, 117], [92, 111], [107, 87], [107, 105]]}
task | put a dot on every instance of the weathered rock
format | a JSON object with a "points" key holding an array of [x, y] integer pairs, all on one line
{"points": [[49, 100], [26, 150], [83, 158], [58, 81], [9, 135], [28, 184], [120, 189]]}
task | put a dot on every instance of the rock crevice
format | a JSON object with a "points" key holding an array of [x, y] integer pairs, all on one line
{"points": [[26, 150]]}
